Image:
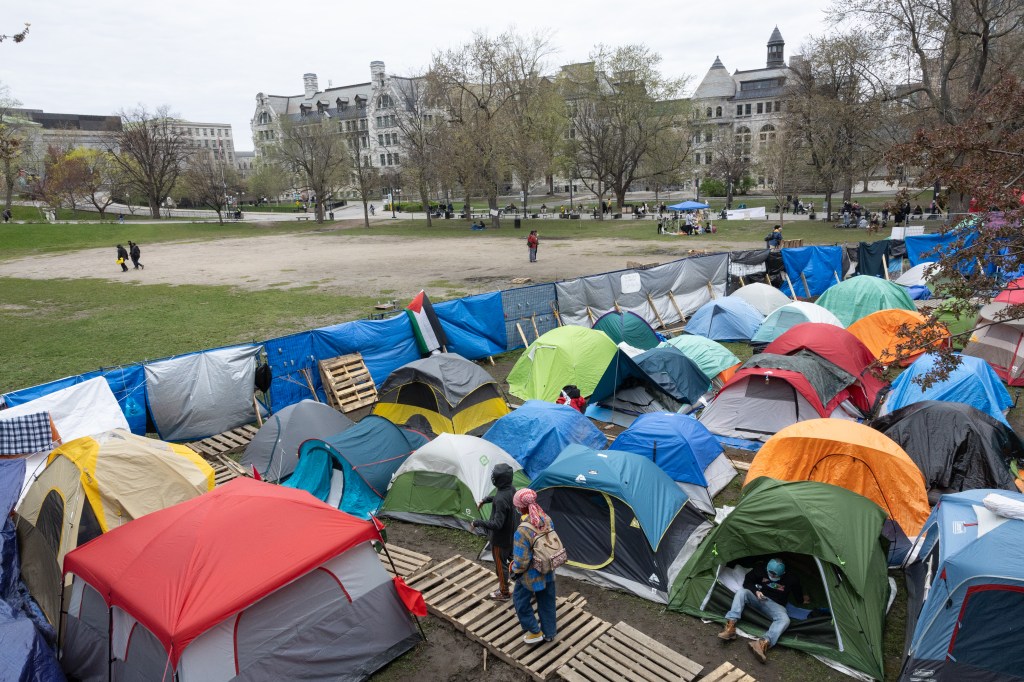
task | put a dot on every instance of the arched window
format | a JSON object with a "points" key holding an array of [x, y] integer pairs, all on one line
{"points": [[718, 112], [263, 119], [767, 133], [743, 139], [709, 112]]}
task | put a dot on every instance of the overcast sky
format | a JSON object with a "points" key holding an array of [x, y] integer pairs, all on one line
{"points": [[207, 59]]}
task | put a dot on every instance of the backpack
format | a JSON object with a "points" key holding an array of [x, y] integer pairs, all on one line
{"points": [[548, 551]]}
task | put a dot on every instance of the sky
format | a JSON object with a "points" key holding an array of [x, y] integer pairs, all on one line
{"points": [[208, 59]]}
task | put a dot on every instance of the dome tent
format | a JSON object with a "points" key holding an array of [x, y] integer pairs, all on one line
{"points": [[725, 319], [972, 382], [862, 295], [790, 315], [714, 359], [999, 342], [563, 356], [767, 299], [658, 380], [274, 450], [880, 332], [627, 327]]}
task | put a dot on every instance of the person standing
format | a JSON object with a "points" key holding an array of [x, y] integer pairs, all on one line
{"points": [[532, 242], [766, 588], [136, 254], [501, 527], [530, 583], [122, 258], [7, 215]]}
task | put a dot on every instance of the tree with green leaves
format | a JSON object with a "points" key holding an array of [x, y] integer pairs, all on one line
{"points": [[12, 143], [210, 181], [267, 181]]}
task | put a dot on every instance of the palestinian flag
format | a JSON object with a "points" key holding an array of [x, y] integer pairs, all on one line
{"points": [[425, 325]]}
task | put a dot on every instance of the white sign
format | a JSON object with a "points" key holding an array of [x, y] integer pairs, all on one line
{"points": [[630, 283]]}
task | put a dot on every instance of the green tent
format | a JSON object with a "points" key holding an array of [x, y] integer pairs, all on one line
{"points": [[712, 357], [560, 357], [830, 537], [860, 296], [628, 327]]}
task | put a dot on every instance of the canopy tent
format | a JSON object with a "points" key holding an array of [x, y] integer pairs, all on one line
{"points": [[790, 315], [880, 332], [274, 450], [971, 382], [965, 597], [92, 485], [563, 356], [714, 359], [251, 581], [658, 380], [725, 319], [453, 394], [766, 299], [627, 327], [535, 432], [855, 457], [685, 450], [623, 521], [842, 349], [829, 537], [860, 296], [999, 341], [688, 206], [351, 470], [954, 445], [443, 482]]}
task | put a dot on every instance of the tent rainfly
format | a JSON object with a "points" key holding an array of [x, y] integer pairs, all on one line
{"points": [[767, 299], [973, 382], [563, 356], [725, 319], [714, 359], [860, 296], [274, 450], [790, 315], [627, 327]]}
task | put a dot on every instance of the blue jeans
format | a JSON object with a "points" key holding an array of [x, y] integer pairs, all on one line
{"points": [[522, 599], [777, 612]]}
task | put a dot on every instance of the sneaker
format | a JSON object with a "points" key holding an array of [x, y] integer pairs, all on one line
{"points": [[533, 638]]}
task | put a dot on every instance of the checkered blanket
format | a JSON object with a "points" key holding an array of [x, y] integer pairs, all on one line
{"points": [[26, 434]]}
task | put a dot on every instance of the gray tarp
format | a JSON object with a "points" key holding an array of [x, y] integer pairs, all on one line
{"points": [[199, 395], [826, 379], [690, 281]]}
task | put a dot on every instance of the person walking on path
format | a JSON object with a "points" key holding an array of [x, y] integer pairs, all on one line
{"points": [[136, 253], [532, 242], [530, 583], [501, 527], [122, 257], [766, 588]]}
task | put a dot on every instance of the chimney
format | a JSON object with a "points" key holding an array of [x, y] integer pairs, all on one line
{"points": [[309, 84], [377, 72]]}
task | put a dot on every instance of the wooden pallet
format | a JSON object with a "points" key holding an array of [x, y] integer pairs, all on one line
{"points": [[226, 469], [408, 562], [624, 653], [727, 672], [226, 443], [347, 382]]}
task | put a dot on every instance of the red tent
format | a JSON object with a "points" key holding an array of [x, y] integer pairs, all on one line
{"points": [[842, 349], [182, 570], [1012, 294]]}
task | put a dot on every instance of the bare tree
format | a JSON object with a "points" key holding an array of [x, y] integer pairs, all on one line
{"points": [[366, 182], [209, 181], [16, 37], [268, 181], [731, 160], [313, 147], [97, 177], [781, 160], [418, 122], [150, 150], [12, 142]]}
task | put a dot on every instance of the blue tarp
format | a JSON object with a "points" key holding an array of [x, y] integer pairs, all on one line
{"points": [[725, 319], [973, 382], [821, 266], [128, 385], [537, 431], [680, 445], [654, 497], [475, 325]]}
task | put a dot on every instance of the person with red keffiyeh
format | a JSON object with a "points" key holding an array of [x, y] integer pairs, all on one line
{"points": [[530, 583]]}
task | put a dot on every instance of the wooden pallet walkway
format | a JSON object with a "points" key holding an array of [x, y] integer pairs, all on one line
{"points": [[347, 382], [226, 469], [625, 653], [727, 672], [226, 443], [408, 562]]}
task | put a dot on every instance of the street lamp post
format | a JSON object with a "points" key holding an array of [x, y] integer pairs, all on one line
{"points": [[392, 198]]}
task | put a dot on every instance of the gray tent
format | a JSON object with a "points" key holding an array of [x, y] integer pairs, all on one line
{"points": [[274, 450]]}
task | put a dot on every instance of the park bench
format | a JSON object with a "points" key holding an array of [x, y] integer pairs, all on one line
{"points": [[303, 217]]}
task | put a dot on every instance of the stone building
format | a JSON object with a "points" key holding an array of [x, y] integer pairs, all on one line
{"points": [[216, 138]]}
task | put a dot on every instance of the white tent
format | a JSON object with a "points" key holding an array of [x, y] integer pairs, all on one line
{"points": [[767, 299], [919, 275]]}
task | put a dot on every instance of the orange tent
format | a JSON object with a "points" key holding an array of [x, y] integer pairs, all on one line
{"points": [[880, 332], [851, 456]]}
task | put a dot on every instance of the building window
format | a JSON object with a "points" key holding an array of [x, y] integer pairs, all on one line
{"points": [[746, 109], [696, 158], [396, 160], [707, 158], [380, 139], [362, 124], [707, 136], [366, 141], [760, 108], [778, 106], [718, 112], [382, 159], [709, 112], [766, 133], [739, 109], [389, 159]]}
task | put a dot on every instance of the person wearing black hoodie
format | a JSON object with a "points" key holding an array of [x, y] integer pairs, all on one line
{"points": [[501, 527]]}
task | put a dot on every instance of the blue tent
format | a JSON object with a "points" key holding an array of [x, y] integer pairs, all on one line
{"points": [[665, 370], [688, 206], [725, 319], [352, 469], [973, 382], [966, 592], [537, 431]]}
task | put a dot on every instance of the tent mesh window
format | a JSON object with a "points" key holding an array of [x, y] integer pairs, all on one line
{"points": [[421, 395], [989, 619], [88, 525], [51, 519]]}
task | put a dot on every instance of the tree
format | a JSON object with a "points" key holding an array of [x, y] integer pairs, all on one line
{"points": [[12, 143], [731, 161], [209, 181], [150, 151], [416, 121], [16, 37], [366, 182], [97, 177], [780, 159], [313, 147], [269, 181]]}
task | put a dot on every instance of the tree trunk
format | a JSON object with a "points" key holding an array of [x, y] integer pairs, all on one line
{"points": [[828, 203], [425, 202], [551, 184], [366, 213], [492, 204], [319, 210], [154, 207], [8, 185], [526, 197], [220, 216], [728, 195], [620, 200]]}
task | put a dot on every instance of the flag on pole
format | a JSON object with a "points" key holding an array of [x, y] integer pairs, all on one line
{"points": [[425, 325]]}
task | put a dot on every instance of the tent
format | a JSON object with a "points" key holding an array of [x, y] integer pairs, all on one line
{"points": [[965, 593], [954, 445], [92, 485], [880, 332], [767, 299], [658, 380], [624, 522], [972, 382], [714, 359], [1000, 343], [443, 482], [770, 392], [725, 319], [628, 327], [452, 393], [351, 470], [920, 275], [536, 432], [790, 315], [855, 457], [562, 356], [251, 581], [685, 450], [842, 349], [860, 296], [688, 206], [830, 538], [274, 450]]}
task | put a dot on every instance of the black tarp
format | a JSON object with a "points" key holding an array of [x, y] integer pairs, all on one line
{"points": [[752, 266], [956, 446], [869, 255]]}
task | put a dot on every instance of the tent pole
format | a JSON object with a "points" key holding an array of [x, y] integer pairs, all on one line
{"points": [[656, 313], [533, 319], [554, 310], [522, 335], [256, 406], [675, 305]]}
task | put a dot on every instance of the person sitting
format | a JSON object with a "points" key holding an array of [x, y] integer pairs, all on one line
{"points": [[863, 222], [918, 211], [571, 396], [774, 240]]}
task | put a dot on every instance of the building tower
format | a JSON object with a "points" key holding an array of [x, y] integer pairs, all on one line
{"points": [[776, 46]]}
